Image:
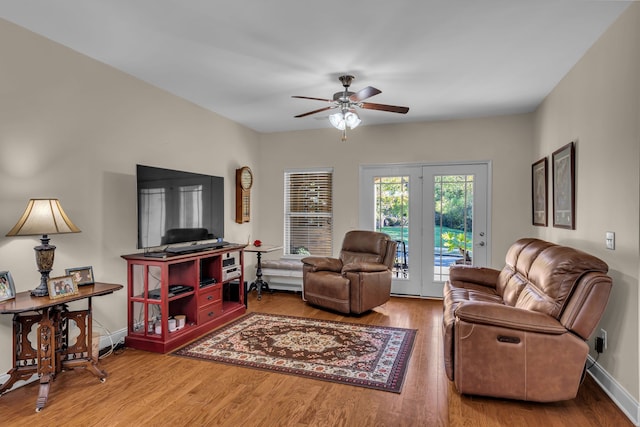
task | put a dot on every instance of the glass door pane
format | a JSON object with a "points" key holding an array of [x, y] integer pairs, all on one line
{"points": [[453, 223], [392, 217]]}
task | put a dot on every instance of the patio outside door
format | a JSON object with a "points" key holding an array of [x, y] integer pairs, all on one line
{"points": [[435, 212]]}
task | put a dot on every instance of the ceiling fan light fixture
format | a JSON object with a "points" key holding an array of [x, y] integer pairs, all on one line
{"points": [[337, 121], [345, 119], [352, 119]]}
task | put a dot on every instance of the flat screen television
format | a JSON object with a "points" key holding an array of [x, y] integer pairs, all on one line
{"points": [[178, 207]]}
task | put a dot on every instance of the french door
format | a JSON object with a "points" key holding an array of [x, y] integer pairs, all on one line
{"points": [[438, 214]]}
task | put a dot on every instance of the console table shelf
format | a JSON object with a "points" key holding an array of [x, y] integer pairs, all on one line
{"points": [[214, 296]]}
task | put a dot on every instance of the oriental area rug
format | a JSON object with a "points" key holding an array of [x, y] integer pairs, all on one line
{"points": [[361, 355]]}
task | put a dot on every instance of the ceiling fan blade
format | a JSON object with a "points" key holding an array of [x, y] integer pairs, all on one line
{"points": [[365, 93], [315, 99], [383, 107], [315, 111]]}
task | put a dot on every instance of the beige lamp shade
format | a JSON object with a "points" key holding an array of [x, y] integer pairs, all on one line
{"points": [[43, 216]]}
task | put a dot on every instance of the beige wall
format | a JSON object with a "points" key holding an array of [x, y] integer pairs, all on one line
{"points": [[73, 128], [505, 141], [598, 105]]}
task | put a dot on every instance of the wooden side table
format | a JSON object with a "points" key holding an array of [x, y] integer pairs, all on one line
{"points": [[53, 350], [260, 284]]}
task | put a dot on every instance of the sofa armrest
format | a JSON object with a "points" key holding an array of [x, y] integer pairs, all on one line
{"points": [[368, 267], [493, 314], [480, 275], [323, 264]]}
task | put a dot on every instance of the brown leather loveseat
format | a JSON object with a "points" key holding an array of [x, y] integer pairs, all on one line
{"points": [[521, 333]]}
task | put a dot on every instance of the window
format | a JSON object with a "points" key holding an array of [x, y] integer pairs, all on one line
{"points": [[308, 212]]}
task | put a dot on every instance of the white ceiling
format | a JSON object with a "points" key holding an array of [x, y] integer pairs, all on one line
{"points": [[244, 59]]}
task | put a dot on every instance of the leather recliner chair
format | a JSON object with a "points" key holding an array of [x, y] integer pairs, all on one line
{"points": [[357, 281], [521, 332]]}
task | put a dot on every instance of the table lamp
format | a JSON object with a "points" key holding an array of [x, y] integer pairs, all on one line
{"points": [[43, 217]]}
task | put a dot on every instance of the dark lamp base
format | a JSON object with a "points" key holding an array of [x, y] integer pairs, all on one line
{"points": [[40, 291], [44, 260]]}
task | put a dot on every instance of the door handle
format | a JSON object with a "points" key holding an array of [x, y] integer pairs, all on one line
{"points": [[480, 243]]}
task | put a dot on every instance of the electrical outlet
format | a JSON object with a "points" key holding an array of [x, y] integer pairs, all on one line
{"points": [[603, 335], [599, 345], [610, 240]]}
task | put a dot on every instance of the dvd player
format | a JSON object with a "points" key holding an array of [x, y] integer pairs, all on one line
{"points": [[173, 291], [207, 282]]}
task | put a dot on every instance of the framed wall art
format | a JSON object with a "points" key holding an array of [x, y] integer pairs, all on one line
{"points": [[564, 213], [7, 288], [81, 275], [539, 198], [61, 287]]}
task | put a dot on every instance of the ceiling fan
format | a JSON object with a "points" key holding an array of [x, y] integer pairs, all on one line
{"points": [[347, 102]]}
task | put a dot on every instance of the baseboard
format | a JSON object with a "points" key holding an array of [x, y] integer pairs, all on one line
{"points": [[106, 341], [615, 391], [113, 339], [278, 286]]}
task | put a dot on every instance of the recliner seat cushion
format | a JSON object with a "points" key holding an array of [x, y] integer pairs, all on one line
{"points": [[328, 289]]}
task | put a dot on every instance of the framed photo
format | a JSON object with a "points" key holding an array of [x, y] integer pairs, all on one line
{"points": [[62, 286], [81, 275], [7, 288], [539, 198], [564, 214]]}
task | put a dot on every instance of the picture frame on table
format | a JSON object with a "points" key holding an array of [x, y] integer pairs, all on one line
{"points": [[564, 200], [7, 287], [539, 192], [81, 275], [62, 286]]}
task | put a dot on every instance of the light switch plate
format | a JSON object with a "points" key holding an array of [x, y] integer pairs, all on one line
{"points": [[610, 240]]}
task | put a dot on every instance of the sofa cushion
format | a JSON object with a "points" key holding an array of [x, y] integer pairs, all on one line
{"points": [[518, 261], [510, 285], [552, 277]]}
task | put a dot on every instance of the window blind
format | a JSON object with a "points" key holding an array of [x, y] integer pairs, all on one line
{"points": [[308, 212]]}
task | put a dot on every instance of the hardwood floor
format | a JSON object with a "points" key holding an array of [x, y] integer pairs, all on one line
{"points": [[148, 389]]}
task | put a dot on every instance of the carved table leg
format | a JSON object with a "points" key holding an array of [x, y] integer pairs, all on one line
{"points": [[46, 354], [43, 394]]}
